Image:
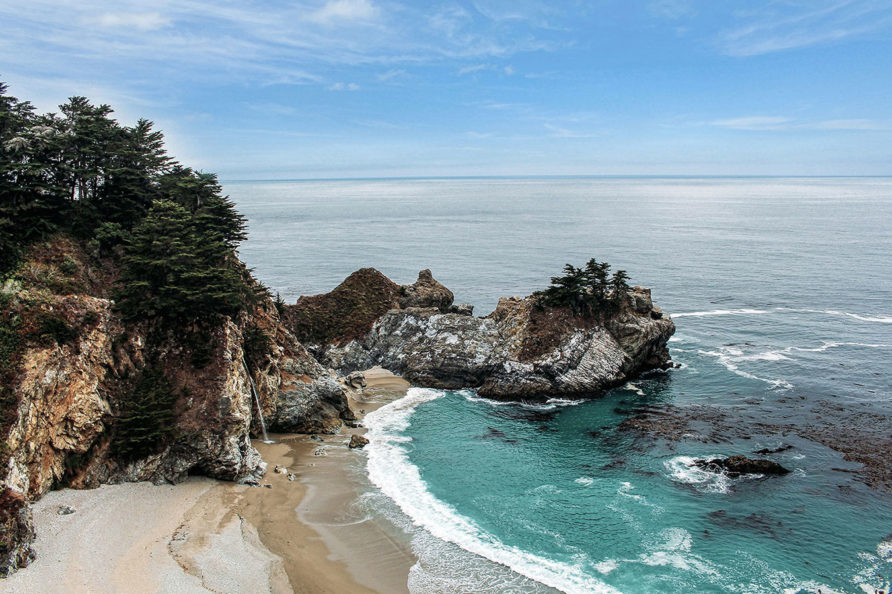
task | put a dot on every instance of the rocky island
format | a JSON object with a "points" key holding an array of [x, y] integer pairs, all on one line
{"points": [[518, 351]]}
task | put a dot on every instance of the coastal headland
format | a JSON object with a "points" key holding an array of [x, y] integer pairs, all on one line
{"points": [[259, 365]]}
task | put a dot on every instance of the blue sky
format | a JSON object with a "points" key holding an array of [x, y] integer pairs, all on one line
{"points": [[379, 88]]}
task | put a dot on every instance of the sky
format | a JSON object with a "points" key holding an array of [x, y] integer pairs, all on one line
{"points": [[380, 88]]}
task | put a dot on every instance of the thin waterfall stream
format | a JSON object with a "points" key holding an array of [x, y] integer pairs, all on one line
{"points": [[266, 438]]}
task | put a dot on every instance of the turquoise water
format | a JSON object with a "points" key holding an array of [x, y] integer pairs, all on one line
{"points": [[781, 292]]}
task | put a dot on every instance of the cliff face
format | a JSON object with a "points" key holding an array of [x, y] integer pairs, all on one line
{"points": [[518, 351], [78, 361]]}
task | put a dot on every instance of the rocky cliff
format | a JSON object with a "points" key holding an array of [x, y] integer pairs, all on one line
{"points": [[520, 350], [71, 363]]}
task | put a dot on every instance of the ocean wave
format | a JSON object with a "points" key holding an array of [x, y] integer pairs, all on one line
{"points": [[585, 481], [682, 470], [720, 312], [879, 319], [391, 471], [728, 357], [550, 404], [869, 577]]}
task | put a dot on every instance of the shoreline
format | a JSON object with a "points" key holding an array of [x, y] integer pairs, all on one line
{"points": [[303, 530]]}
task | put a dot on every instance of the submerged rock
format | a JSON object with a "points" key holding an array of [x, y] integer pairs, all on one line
{"points": [[735, 466]]}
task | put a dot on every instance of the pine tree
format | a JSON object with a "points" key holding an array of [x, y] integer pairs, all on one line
{"points": [[146, 415], [619, 284], [177, 270]]}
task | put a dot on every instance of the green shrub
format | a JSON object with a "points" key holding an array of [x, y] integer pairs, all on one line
{"points": [[257, 346]]}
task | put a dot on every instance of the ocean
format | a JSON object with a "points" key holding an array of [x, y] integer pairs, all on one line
{"points": [[781, 292]]}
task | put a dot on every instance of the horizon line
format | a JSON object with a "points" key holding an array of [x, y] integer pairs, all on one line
{"points": [[552, 176]]}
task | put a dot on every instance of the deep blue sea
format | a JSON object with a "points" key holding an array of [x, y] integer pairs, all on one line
{"points": [[781, 291]]}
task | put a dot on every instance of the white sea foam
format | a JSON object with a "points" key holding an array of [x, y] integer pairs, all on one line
{"points": [[674, 550], [682, 470], [606, 566], [550, 404], [728, 357], [881, 319], [870, 577], [391, 471], [585, 481], [720, 312], [633, 388]]}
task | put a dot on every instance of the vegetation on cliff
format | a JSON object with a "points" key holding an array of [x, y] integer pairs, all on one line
{"points": [[586, 291], [82, 173], [89, 206]]}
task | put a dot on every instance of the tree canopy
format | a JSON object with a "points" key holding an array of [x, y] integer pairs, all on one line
{"points": [[79, 171], [587, 290]]}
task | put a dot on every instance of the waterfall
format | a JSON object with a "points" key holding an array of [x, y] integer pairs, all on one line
{"points": [[266, 438]]}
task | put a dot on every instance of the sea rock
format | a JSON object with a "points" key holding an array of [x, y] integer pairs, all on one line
{"points": [[734, 466], [426, 292], [518, 351], [358, 441]]}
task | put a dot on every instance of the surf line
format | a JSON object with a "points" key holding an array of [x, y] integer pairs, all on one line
{"points": [[390, 469]]}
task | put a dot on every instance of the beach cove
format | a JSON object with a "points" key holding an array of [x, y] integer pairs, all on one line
{"points": [[296, 535]]}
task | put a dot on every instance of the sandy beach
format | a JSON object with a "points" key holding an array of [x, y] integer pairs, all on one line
{"points": [[303, 530]]}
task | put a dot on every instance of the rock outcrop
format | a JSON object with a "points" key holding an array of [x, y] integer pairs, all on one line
{"points": [[734, 466], [17, 531], [518, 351], [76, 362]]}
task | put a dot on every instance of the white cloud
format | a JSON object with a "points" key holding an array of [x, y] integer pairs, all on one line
{"points": [[671, 9], [144, 21], [340, 86], [776, 27], [852, 124], [474, 68], [753, 123], [339, 11], [558, 132], [509, 70], [392, 74], [771, 123]]}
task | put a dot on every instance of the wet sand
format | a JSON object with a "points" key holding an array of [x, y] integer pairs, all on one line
{"points": [[304, 533]]}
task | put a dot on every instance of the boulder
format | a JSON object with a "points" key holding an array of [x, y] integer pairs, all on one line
{"points": [[734, 466], [355, 380], [426, 292], [462, 309], [358, 442]]}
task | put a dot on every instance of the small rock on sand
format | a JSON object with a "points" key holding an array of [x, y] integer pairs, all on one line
{"points": [[358, 441]]}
